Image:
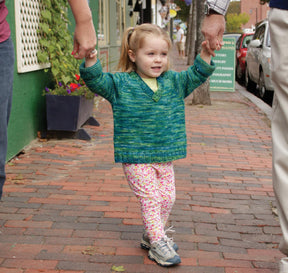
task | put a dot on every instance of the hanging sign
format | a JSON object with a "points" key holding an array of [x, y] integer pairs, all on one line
{"points": [[172, 13]]}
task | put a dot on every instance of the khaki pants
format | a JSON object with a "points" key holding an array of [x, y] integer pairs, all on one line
{"points": [[278, 20], [180, 46]]}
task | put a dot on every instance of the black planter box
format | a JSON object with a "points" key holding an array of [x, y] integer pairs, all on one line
{"points": [[68, 113]]}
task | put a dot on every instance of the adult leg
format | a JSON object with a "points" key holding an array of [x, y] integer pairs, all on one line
{"points": [[178, 48], [182, 49], [279, 29], [6, 87]]}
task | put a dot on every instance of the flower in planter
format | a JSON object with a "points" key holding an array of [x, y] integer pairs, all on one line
{"points": [[77, 77], [77, 88]]}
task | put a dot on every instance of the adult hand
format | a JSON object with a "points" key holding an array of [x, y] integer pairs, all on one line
{"points": [[84, 35], [84, 39], [213, 28]]}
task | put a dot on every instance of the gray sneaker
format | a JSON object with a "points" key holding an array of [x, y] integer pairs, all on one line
{"points": [[163, 254], [145, 242]]}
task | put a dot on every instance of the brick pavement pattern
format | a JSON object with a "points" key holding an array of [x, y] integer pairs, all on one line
{"points": [[67, 206]]}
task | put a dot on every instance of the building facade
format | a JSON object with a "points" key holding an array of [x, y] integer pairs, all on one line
{"points": [[255, 10]]}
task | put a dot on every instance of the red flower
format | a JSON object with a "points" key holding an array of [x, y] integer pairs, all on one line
{"points": [[73, 86], [77, 77]]}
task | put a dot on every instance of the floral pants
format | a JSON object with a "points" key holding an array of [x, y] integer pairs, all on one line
{"points": [[154, 186]]}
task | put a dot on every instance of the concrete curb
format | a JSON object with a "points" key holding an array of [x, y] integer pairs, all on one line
{"points": [[267, 109]]}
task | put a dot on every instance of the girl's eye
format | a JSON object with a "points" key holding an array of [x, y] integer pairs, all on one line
{"points": [[151, 53], [164, 54]]}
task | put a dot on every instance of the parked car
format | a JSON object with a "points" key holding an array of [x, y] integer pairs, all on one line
{"points": [[258, 62], [241, 50]]}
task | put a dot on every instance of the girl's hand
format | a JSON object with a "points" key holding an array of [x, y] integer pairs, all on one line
{"points": [[91, 59], [206, 52]]}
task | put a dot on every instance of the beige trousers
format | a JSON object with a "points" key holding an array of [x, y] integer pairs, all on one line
{"points": [[278, 20]]}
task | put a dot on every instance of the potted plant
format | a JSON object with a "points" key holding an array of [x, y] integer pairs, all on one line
{"points": [[69, 102]]}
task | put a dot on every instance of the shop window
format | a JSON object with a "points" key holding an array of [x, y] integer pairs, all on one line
{"points": [[120, 16], [103, 23]]}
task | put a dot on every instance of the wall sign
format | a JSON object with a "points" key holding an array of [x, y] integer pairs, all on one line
{"points": [[223, 78]]}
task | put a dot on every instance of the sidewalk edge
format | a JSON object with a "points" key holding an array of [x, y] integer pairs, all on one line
{"points": [[267, 109]]}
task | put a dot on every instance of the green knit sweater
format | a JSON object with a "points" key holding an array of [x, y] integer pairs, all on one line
{"points": [[148, 127]]}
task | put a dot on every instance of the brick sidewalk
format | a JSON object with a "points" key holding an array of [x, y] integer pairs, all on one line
{"points": [[67, 206]]}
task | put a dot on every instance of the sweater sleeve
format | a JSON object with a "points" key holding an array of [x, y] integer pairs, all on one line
{"points": [[195, 76], [97, 81]]}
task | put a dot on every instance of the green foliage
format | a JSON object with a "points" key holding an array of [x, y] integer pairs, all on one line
{"points": [[182, 14], [235, 21], [56, 47]]}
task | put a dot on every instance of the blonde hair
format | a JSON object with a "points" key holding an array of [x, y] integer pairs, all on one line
{"points": [[133, 39]]}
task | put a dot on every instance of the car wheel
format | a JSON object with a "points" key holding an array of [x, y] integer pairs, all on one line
{"points": [[262, 92], [239, 75], [261, 85], [250, 85]]}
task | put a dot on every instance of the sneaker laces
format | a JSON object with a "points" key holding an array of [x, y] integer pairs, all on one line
{"points": [[169, 230], [169, 241], [164, 246]]}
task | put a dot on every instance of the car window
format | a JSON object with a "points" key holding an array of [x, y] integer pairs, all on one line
{"points": [[238, 44], [259, 33], [246, 41]]}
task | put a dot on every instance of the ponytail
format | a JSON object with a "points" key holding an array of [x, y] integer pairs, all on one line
{"points": [[125, 64]]}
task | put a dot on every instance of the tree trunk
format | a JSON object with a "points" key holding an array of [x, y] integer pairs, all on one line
{"points": [[191, 34], [188, 34], [202, 94], [200, 18]]}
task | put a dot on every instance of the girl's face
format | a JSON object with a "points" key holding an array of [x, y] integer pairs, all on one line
{"points": [[152, 58]]}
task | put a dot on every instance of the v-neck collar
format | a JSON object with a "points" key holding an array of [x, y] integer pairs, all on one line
{"points": [[156, 96]]}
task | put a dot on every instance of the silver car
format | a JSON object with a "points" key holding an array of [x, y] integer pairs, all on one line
{"points": [[258, 62]]}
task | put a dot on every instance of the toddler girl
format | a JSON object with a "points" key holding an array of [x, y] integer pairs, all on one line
{"points": [[149, 123]]}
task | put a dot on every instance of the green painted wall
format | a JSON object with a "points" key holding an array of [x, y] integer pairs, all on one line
{"points": [[28, 108]]}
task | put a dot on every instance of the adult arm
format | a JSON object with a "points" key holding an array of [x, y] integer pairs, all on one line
{"points": [[85, 35], [214, 24]]}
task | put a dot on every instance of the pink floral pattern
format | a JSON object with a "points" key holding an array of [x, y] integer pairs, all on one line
{"points": [[154, 186]]}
